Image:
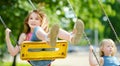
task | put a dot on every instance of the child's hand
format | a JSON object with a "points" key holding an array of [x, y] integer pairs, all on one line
{"points": [[7, 31], [45, 23], [91, 48]]}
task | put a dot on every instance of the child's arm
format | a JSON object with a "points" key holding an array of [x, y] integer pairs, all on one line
{"points": [[11, 49], [101, 61], [92, 61]]}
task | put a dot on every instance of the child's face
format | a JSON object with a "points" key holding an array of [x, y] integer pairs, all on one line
{"points": [[34, 20], [108, 49]]}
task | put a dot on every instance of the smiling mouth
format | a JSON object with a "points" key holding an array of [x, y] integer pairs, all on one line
{"points": [[33, 24], [110, 50]]}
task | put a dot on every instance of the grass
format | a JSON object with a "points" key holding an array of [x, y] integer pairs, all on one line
{"points": [[17, 64]]}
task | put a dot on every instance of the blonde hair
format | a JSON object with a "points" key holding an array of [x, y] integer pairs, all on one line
{"points": [[105, 41], [41, 15]]}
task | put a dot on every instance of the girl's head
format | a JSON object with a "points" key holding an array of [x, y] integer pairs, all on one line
{"points": [[107, 48], [34, 18]]}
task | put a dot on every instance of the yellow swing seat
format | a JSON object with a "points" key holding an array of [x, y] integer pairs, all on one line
{"points": [[43, 51]]}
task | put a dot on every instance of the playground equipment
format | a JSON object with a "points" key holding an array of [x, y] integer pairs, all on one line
{"points": [[43, 51]]}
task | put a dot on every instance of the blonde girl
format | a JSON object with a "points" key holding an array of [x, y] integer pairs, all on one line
{"points": [[107, 50]]}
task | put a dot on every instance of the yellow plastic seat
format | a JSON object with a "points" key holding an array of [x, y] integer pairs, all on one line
{"points": [[43, 51]]}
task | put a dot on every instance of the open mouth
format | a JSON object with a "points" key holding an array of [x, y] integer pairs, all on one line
{"points": [[110, 51], [33, 24]]}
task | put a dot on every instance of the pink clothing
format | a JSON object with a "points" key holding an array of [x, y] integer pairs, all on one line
{"points": [[28, 36]]}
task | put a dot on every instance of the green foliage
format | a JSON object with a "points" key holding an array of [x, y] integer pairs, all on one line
{"points": [[17, 64], [13, 13]]}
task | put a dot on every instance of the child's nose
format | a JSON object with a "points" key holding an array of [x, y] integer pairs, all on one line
{"points": [[111, 47], [34, 20]]}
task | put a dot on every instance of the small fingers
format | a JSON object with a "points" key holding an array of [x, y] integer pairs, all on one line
{"points": [[91, 48], [7, 31]]}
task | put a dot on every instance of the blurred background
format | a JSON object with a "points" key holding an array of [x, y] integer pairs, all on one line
{"points": [[97, 27]]}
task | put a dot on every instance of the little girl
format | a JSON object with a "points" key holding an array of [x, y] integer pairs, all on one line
{"points": [[36, 28], [107, 54]]}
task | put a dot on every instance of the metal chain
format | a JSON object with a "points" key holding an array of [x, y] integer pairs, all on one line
{"points": [[32, 5], [109, 21], [84, 34], [5, 26], [72, 8]]}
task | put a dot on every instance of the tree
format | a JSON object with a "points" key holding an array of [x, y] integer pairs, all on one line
{"points": [[13, 13]]}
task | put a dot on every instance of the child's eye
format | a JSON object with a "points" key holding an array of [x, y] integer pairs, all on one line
{"points": [[31, 18], [37, 18]]}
